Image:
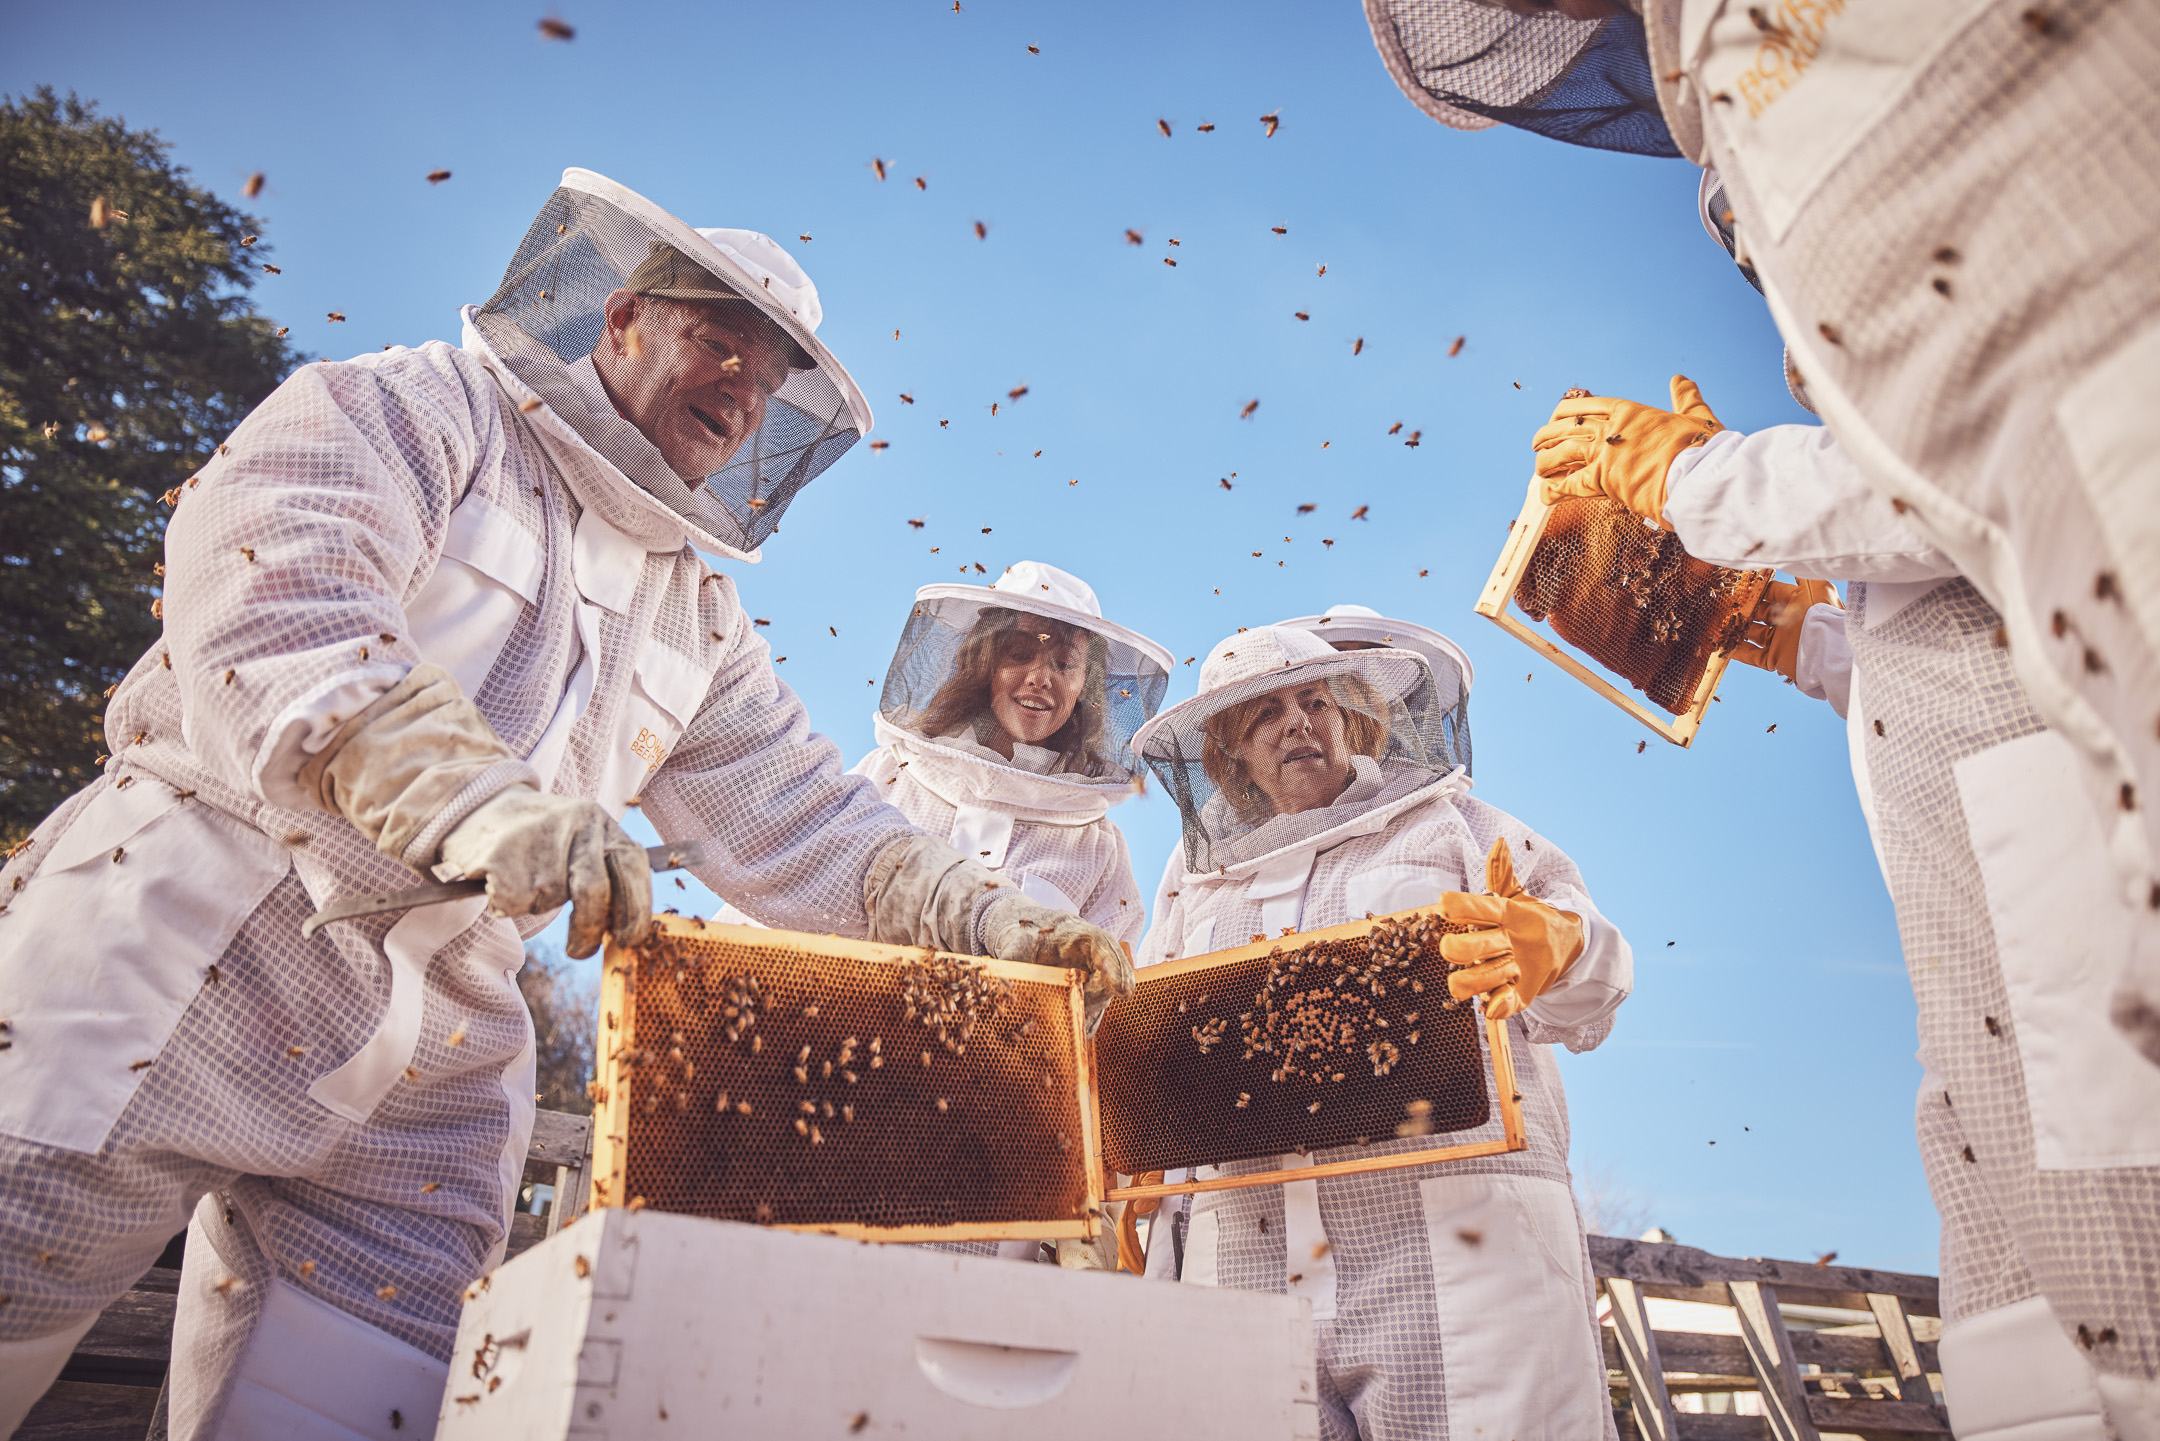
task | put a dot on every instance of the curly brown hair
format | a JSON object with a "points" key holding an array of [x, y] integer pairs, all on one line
{"points": [[1364, 731], [1002, 637]]}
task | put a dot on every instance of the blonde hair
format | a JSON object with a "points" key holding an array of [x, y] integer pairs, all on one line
{"points": [[1009, 637], [1224, 732]]}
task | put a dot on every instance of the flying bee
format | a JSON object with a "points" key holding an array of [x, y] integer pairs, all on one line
{"points": [[1132, 237], [920, 184], [254, 186], [1169, 262], [1302, 315], [878, 165], [1247, 414], [982, 231], [1456, 348], [437, 177], [1273, 122], [554, 29], [1164, 127]]}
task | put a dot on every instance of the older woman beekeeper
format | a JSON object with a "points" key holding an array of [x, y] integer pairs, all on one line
{"points": [[1319, 786]]}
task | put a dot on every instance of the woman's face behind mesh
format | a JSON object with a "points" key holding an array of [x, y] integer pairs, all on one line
{"points": [[1293, 744], [1034, 685]]}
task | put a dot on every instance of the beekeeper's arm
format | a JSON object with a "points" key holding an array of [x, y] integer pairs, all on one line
{"points": [[804, 846], [1786, 498], [1541, 949], [289, 562]]}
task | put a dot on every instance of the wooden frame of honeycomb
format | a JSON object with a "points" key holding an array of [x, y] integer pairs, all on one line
{"points": [[1495, 601]]}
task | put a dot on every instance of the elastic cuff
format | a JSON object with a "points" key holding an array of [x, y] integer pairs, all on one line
{"points": [[425, 849], [285, 771]]}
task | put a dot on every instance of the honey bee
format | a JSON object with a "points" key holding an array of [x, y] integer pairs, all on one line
{"points": [[229, 1285], [1456, 348], [1226, 485], [337, 315], [1169, 262], [1164, 127], [982, 231], [1302, 315], [1273, 122], [1016, 392], [431, 1188], [1360, 513], [1245, 414], [920, 184], [1032, 50], [554, 29], [878, 165], [1132, 237], [455, 1038], [386, 1293], [254, 186], [437, 177], [1415, 437]]}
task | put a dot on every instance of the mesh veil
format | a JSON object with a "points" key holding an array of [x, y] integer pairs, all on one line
{"points": [[1405, 736], [547, 316], [1470, 65], [933, 686]]}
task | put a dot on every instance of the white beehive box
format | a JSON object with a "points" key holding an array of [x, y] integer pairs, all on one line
{"points": [[643, 1324]]}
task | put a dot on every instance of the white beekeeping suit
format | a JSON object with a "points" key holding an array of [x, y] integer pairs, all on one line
{"points": [[2039, 1124], [1953, 210], [1040, 815], [427, 608], [1449, 1301], [1005, 727]]}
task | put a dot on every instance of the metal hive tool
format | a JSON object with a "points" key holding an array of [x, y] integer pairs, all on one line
{"points": [[1223, 1057], [972, 1119], [1629, 597]]}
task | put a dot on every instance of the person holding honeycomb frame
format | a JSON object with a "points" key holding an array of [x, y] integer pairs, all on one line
{"points": [[1318, 786]]}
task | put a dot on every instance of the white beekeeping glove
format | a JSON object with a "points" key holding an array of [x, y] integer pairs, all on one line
{"points": [[539, 851], [922, 892], [423, 776]]}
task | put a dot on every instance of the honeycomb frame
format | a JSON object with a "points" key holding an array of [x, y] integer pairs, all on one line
{"points": [[622, 1143], [1496, 600], [1496, 1049]]}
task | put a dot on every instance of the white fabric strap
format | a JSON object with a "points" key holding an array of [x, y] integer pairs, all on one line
{"points": [[1279, 885], [982, 834], [1309, 1260], [313, 1373], [2010, 1374]]}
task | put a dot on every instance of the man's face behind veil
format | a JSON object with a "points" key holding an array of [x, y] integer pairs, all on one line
{"points": [[693, 376]]}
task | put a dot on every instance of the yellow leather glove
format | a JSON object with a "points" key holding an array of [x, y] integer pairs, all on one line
{"points": [[1594, 445], [1772, 640], [1523, 947]]}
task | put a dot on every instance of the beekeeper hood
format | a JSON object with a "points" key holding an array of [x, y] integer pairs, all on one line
{"points": [[1021, 691], [1359, 627], [1293, 746], [687, 358], [1470, 64]]}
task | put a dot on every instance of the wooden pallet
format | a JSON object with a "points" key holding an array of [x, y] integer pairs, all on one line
{"points": [[1874, 1386]]}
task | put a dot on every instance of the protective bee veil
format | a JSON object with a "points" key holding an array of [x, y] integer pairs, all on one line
{"points": [[1254, 780], [687, 358], [1470, 64], [959, 688]]}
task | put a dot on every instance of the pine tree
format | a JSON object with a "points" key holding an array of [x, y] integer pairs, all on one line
{"points": [[128, 349]]}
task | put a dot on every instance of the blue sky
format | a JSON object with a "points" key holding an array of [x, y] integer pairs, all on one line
{"points": [[1756, 1095]]}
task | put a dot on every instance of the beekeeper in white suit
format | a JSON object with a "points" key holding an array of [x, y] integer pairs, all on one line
{"points": [[1005, 727], [1318, 786], [428, 609], [1954, 210], [2036, 1126]]}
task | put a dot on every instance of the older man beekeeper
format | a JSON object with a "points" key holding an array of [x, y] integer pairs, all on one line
{"points": [[435, 609]]}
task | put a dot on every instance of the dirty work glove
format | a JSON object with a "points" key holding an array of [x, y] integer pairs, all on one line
{"points": [[1526, 946], [412, 765], [1018, 929], [1619, 448], [1772, 640], [538, 851], [922, 892]]}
